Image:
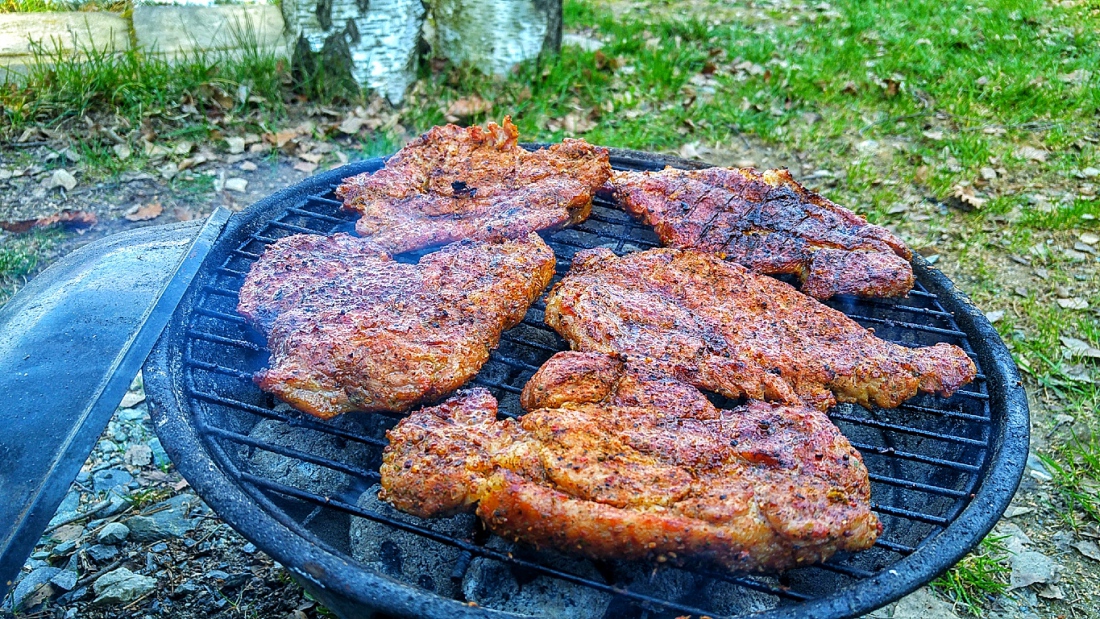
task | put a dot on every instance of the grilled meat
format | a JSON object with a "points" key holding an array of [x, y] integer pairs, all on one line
{"points": [[649, 470], [351, 329], [718, 326], [770, 224], [457, 183]]}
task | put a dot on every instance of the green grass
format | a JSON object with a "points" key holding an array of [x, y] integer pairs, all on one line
{"points": [[40, 6], [21, 255], [945, 88], [972, 582]]}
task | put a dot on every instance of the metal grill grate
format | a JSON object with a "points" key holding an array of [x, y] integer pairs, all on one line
{"points": [[925, 458]]}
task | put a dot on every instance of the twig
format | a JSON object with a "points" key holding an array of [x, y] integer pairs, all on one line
{"points": [[84, 582], [135, 602], [91, 512]]}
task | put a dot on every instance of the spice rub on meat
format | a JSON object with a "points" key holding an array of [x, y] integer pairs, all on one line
{"points": [[650, 470], [770, 224], [720, 327], [351, 329], [456, 183]]}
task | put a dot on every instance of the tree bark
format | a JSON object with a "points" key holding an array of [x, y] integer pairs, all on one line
{"points": [[381, 36], [494, 35]]}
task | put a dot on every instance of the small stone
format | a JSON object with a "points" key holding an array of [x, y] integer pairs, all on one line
{"points": [[34, 588], [994, 316], [1088, 548], [122, 151], [1075, 303], [1015, 511], [248, 548], [107, 479], [186, 588], [160, 457], [1017, 541], [100, 553], [166, 520], [65, 579], [131, 399], [236, 145], [159, 547], [120, 586], [1089, 238], [1090, 172], [248, 166], [183, 148], [1029, 568], [236, 184], [988, 174], [139, 455], [64, 548], [61, 178], [113, 533], [924, 604]]}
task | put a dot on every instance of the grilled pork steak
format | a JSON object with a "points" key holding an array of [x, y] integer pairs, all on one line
{"points": [[351, 329], [718, 326], [651, 470], [456, 183], [770, 224]]}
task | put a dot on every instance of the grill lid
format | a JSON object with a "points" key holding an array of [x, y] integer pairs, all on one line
{"points": [[942, 470]]}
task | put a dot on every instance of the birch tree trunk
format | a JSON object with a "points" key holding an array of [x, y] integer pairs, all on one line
{"points": [[381, 35], [494, 35]]}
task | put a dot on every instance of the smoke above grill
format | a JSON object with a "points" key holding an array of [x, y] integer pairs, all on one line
{"points": [[305, 491]]}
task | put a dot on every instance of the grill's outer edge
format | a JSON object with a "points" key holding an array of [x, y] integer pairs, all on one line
{"points": [[330, 573]]}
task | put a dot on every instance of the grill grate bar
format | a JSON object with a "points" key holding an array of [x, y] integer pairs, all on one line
{"points": [[225, 292], [231, 272], [908, 514], [943, 413], [293, 228], [289, 452], [209, 337], [908, 325], [326, 201], [846, 570], [221, 315], [882, 425], [267, 413], [905, 455], [304, 213], [468, 546], [924, 311], [219, 369], [898, 548], [246, 254], [747, 582], [914, 485]]}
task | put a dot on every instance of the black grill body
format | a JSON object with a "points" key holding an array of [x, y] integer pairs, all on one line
{"points": [[942, 470]]}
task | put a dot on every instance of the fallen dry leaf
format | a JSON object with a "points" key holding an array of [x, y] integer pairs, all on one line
{"points": [[311, 157], [1088, 548], [61, 178], [1079, 348], [962, 197], [236, 145], [351, 125], [1032, 154], [466, 107], [934, 135], [1076, 303], [76, 219], [145, 212]]}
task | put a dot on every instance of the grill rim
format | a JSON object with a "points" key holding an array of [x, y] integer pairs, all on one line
{"points": [[1003, 466]]}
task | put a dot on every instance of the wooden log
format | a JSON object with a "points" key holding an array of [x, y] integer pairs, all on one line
{"points": [[494, 35], [381, 35]]}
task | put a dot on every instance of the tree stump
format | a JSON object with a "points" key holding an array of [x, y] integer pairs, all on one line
{"points": [[494, 35], [381, 36]]}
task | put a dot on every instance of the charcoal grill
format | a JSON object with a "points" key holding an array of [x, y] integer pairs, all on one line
{"points": [[942, 470]]}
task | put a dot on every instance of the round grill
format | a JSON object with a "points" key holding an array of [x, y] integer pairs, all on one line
{"points": [[942, 470]]}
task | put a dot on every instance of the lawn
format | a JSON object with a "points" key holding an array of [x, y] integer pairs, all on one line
{"points": [[971, 128]]}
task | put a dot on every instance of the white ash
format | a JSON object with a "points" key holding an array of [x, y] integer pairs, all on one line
{"points": [[493, 584], [404, 555], [298, 473]]}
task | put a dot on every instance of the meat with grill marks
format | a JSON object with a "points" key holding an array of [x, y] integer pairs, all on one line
{"points": [[637, 467], [771, 224], [456, 183], [716, 325], [349, 328]]}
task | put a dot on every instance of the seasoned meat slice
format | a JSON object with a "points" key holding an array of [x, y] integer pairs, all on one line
{"points": [[763, 487], [351, 329], [770, 224], [718, 326], [456, 183]]}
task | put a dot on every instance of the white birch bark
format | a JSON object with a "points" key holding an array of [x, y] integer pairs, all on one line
{"points": [[494, 35], [381, 34]]}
